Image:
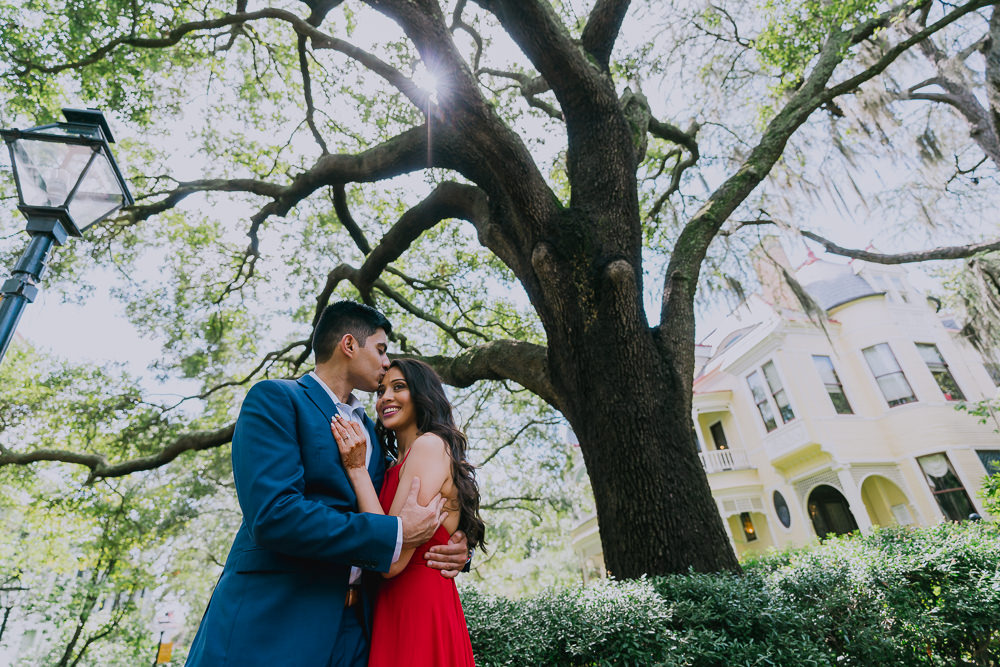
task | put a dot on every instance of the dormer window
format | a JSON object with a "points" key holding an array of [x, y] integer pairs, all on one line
{"points": [[895, 289]]}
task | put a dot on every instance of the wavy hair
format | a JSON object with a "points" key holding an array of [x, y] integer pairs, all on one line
{"points": [[434, 415]]}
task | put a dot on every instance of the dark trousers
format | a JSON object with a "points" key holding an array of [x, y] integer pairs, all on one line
{"points": [[352, 645]]}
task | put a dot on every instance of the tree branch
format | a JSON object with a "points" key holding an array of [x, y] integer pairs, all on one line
{"points": [[402, 154], [686, 139], [184, 189], [346, 219], [529, 87], [307, 94], [601, 31], [518, 361], [101, 468], [958, 94], [407, 305], [868, 29], [457, 22], [534, 26], [513, 439], [940, 253], [675, 332], [674, 134], [321, 40], [992, 54], [447, 200]]}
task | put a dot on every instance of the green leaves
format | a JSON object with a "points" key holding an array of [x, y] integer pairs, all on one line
{"points": [[796, 31]]}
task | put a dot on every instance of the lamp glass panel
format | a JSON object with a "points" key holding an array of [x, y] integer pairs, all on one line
{"points": [[71, 130], [47, 171], [99, 194]]}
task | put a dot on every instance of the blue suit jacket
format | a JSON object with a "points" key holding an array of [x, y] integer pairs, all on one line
{"points": [[282, 590]]}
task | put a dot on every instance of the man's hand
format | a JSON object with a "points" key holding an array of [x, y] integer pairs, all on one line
{"points": [[420, 521], [449, 558]]}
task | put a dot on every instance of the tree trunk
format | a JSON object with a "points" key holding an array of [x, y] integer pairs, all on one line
{"points": [[630, 411], [628, 402]]}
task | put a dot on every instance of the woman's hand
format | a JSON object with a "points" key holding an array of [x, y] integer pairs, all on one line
{"points": [[351, 442]]}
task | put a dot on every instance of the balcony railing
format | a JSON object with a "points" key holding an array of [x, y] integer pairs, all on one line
{"points": [[724, 459]]}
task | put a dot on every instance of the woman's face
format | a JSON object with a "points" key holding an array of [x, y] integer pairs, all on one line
{"points": [[394, 405]]}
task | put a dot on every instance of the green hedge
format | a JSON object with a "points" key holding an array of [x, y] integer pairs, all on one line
{"points": [[899, 597]]}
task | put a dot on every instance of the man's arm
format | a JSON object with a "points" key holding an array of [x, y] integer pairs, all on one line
{"points": [[450, 558], [269, 474]]}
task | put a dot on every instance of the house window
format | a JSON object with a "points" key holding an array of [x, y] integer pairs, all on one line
{"points": [[889, 375], [990, 459], [768, 393], [781, 509], [879, 284], [778, 392], [831, 381], [749, 532], [993, 369], [760, 398], [718, 436], [946, 487], [935, 364]]}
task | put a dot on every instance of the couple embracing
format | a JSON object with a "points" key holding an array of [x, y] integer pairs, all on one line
{"points": [[330, 500]]}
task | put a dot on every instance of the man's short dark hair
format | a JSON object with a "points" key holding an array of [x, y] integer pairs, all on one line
{"points": [[345, 317]]}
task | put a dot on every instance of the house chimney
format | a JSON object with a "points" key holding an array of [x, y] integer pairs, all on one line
{"points": [[769, 259]]}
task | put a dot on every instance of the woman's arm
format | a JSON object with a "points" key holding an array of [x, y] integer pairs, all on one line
{"points": [[427, 459], [424, 457]]}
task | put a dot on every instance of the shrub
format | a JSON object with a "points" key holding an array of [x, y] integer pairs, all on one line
{"points": [[990, 493], [901, 596]]}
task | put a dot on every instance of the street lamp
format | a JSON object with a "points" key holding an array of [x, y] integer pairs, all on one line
{"points": [[67, 180], [10, 594]]}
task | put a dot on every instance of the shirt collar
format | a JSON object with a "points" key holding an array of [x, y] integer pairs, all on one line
{"points": [[353, 404]]}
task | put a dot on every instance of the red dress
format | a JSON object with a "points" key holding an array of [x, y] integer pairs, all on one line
{"points": [[418, 617]]}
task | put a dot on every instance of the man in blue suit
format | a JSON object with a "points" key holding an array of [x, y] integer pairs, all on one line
{"points": [[291, 591]]}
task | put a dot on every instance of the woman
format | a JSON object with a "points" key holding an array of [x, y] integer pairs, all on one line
{"points": [[418, 616]]}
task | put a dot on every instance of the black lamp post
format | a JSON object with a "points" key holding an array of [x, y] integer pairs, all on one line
{"points": [[67, 180], [10, 593]]}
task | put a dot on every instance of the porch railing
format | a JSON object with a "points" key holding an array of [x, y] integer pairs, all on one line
{"points": [[724, 459]]}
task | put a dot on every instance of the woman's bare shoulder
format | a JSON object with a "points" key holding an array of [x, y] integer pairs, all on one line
{"points": [[429, 445]]}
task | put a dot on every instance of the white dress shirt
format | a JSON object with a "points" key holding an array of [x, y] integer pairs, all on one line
{"points": [[355, 412]]}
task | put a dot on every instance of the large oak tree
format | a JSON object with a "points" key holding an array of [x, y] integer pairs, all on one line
{"points": [[587, 228]]}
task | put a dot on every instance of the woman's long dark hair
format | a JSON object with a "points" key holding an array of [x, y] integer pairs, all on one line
{"points": [[434, 415]]}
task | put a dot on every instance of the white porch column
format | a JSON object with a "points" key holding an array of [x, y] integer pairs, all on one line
{"points": [[853, 495], [725, 524]]}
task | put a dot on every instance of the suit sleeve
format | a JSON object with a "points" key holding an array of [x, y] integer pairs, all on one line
{"points": [[267, 467]]}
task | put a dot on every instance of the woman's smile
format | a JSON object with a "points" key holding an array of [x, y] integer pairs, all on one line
{"points": [[394, 405]]}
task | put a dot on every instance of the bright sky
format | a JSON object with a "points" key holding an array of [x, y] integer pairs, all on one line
{"points": [[99, 330]]}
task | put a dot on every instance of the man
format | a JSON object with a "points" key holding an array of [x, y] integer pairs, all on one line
{"points": [[291, 591]]}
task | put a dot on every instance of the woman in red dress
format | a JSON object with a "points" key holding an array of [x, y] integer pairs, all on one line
{"points": [[418, 616]]}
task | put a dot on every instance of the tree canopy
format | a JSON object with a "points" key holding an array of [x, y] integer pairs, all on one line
{"points": [[534, 191]]}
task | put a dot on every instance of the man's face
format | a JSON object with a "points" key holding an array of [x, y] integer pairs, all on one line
{"points": [[370, 361]]}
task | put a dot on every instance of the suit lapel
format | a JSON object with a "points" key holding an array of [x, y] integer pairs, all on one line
{"points": [[323, 402], [318, 396]]}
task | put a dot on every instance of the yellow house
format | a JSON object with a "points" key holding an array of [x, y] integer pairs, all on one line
{"points": [[808, 430]]}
